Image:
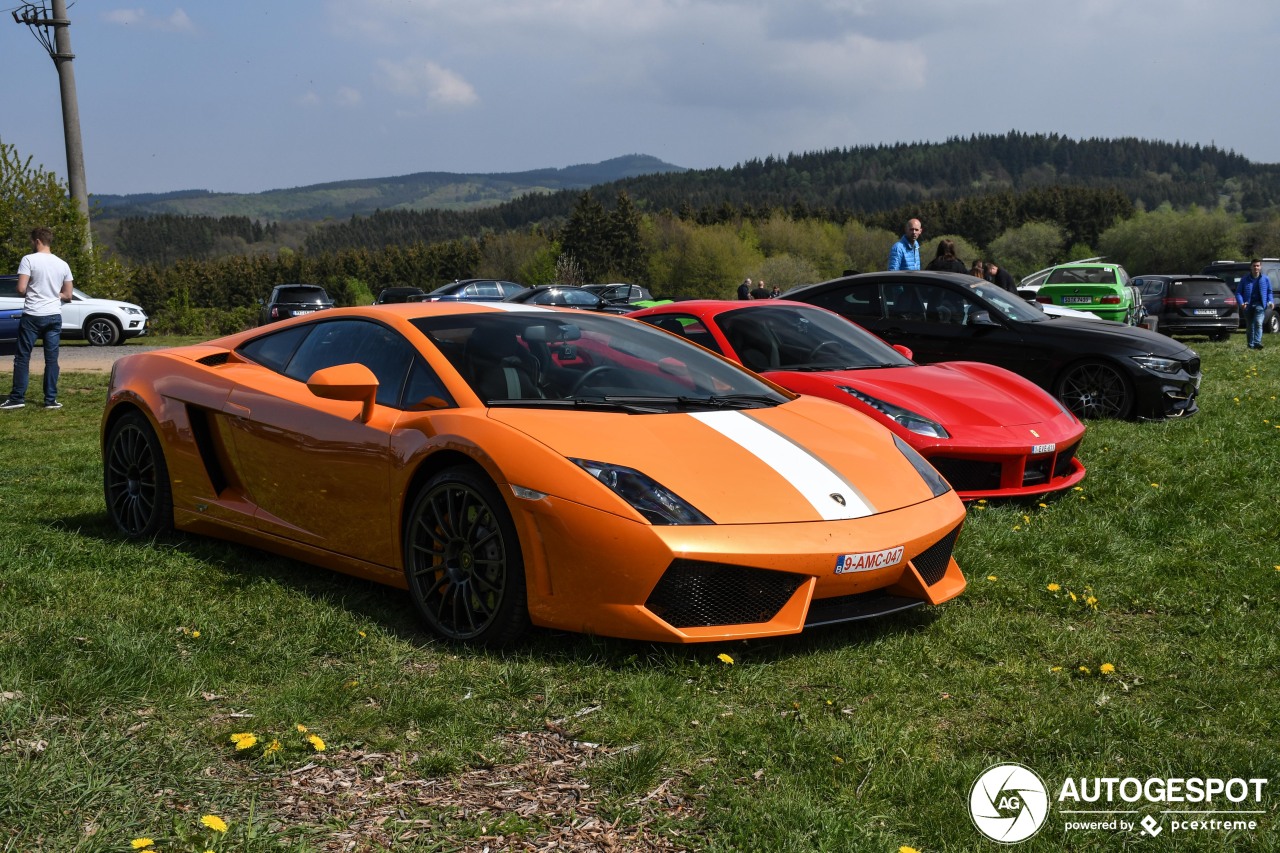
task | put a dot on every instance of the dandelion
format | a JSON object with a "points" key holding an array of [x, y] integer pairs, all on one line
{"points": [[300, 727], [1078, 489], [1055, 669], [1017, 527], [362, 634], [214, 822], [992, 578], [195, 635], [316, 742], [1053, 587], [1084, 670], [272, 748], [905, 849], [140, 843], [1107, 668], [1092, 602], [724, 658], [1026, 519], [244, 740], [1044, 506], [837, 759], [1155, 485], [982, 500], [1073, 595]]}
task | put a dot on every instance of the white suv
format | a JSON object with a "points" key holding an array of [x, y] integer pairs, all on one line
{"points": [[102, 322]]}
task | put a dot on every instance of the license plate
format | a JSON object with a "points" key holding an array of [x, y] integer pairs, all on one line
{"points": [[1206, 312], [1073, 300], [1043, 448], [868, 561]]}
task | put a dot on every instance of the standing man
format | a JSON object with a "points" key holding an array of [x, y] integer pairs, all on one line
{"points": [[744, 289], [45, 280], [905, 253], [1001, 278], [1253, 293]]}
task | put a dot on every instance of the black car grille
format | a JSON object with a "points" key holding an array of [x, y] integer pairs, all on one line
{"points": [[215, 360], [849, 608], [968, 475], [1193, 366], [1062, 467], [694, 594], [932, 562]]}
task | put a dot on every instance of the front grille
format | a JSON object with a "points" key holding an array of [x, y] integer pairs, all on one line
{"points": [[968, 475], [863, 605], [932, 562], [694, 594], [1062, 467], [1036, 471]]}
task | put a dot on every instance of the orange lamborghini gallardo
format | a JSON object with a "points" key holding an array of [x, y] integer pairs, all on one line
{"points": [[512, 465]]}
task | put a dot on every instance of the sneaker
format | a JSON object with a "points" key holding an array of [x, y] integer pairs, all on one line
{"points": [[54, 405], [10, 404]]}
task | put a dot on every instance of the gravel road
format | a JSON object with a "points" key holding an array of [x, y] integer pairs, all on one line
{"points": [[76, 358]]}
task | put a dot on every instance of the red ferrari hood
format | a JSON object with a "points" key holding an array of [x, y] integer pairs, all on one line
{"points": [[955, 394], [806, 460]]}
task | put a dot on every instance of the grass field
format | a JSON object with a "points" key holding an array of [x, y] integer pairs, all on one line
{"points": [[1128, 629]]}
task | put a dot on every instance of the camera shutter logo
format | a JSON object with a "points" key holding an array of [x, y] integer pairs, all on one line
{"points": [[1008, 803]]}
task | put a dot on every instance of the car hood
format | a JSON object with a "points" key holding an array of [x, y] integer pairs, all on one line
{"points": [[107, 304], [807, 460], [954, 394], [1141, 341]]}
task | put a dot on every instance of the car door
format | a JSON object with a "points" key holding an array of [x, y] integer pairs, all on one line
{"points": [[1152, 291], [317, 473], [10, 310]]}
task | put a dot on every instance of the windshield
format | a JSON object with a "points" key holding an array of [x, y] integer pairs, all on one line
{"points": [[1008, 305], [549, 360], [772, 336]]}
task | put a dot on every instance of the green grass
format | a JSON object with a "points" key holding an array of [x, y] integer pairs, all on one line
{"points": [[115, 715]]}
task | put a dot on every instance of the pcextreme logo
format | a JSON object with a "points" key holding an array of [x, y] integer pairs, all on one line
{"points": [[1010, 803]]}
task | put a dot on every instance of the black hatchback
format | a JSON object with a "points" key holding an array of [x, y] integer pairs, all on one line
{"points": [[294, 300], [1189, 305], [1097, 368]]}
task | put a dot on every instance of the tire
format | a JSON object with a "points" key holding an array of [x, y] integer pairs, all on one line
{"points": [[462, 560], [1271, 323], [1220, 336], [1095, 389], [102, 332], [135, 479]]}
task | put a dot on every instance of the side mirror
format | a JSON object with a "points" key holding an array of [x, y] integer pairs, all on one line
{"points": [[981, 318], [352, 382], [905, 352]]}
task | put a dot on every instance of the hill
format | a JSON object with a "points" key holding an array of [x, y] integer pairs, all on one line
{"points": [[419, 191]]}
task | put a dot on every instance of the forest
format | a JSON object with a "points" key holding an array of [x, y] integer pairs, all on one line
{"points": [[1025, 200]]}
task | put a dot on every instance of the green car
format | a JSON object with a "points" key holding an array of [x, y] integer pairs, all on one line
{"points": [[1099, 288]]}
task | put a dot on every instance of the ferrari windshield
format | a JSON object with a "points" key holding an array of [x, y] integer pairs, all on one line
{"points": [[799, 337], [549, 358]]}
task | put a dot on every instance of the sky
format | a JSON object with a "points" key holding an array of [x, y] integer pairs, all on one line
{"points": [[240, 96]]}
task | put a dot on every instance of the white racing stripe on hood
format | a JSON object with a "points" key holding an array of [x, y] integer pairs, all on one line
{"points": [[514, 306], [812, 477]]}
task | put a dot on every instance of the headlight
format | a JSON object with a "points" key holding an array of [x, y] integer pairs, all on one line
{"points": [[657, 504], [133, 310], [1158, 365], [937, 484], [907, 418]]}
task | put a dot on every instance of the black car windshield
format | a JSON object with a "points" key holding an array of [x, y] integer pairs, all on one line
{"points": [[774, 336], [1008, 305], [533, 358]]}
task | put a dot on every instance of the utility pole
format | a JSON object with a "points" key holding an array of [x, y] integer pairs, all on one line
{"points": [[41, 20]]}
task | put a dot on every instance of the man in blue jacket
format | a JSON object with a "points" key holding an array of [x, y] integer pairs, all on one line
{"points": [[905, 252], [1255, 296]]}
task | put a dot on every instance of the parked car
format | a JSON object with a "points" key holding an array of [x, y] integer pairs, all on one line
{"points": [[472, 290], [1096, 369], [102, 322], [624, 294], [1190, 304], [1030, 284], [567, 296], [990, 432], [1099, 288], [578, 471], [1232, 271], [293, 300], [396, 295]]}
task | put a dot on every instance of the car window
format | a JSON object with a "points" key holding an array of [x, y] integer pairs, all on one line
{"points": [[1150, 286], [300, 294], [9, 287], [274, 351], [509, 288], [686, 326], [378, 348], [482, 290], [859, 300], [424, 390]]}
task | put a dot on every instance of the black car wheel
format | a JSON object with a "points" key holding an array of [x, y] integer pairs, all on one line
{"points": [[1095, 389], [135, 479], [1220, 336], [102, 332], [1271, 322], [462, 560]]}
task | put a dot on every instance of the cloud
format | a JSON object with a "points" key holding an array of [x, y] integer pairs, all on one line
{"points": [[423, 79], [347, 96], [178, 22]]}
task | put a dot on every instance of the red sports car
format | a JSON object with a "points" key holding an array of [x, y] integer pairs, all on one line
{"points": [[990, 432]]}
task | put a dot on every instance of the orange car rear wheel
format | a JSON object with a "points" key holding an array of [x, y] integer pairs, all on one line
{"points": [[135, 479], [462, 560]]}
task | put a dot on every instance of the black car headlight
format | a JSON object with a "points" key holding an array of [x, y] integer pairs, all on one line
{"points": [[916, 423], [935, 481], [656, 503], [1159, 365]]}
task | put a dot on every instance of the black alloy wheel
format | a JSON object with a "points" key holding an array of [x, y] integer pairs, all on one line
{"points": [[135, 479], [1096, 389], [462, 560], [103, 332]]}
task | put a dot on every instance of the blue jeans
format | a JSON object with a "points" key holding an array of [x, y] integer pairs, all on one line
{"points": [[49, 328], [1256, 315]]}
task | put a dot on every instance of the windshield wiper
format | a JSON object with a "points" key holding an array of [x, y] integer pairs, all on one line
{"points": [[601, 404]]}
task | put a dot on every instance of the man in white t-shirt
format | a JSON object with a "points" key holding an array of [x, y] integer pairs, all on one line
{"points": [[45, 280]]}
